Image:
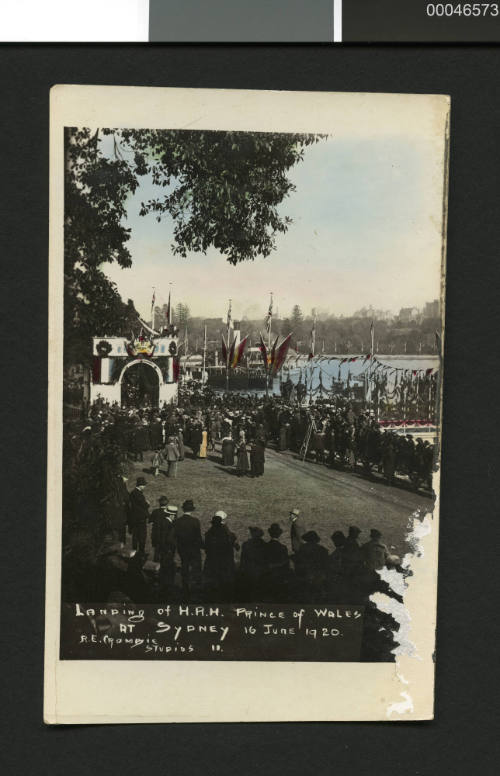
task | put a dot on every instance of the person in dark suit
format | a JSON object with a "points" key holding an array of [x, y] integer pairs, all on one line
{"points": [[139, 515], [277, 565], [189, 544], [196, 439], [257, 457], [297, 529], [335, 574], [253, 564], [352, 556], [115, 506], [220, 544], [166, 545], [155, 434], [155, 517], [311, 565], [141, 441]]}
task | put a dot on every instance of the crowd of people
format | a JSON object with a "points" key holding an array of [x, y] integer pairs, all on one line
{"points": [[97, 497], [280, 564], [326, 432], [120, 547]]}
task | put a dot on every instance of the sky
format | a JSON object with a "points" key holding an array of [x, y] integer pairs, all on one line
{"points": [[365, 231]]}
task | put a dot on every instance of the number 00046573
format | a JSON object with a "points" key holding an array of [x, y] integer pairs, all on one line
{"points": [[462, 9]]}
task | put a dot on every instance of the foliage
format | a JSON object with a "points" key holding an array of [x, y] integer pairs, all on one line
{"points": [[95, 192], [222, 190], [333, 335], [181, 315]]}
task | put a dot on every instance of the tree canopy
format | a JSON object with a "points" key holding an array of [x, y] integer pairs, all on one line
{"points": [[222, 190]]}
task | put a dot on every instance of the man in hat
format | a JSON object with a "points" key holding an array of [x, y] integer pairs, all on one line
{"points": [[196, 439], [139, 515], [257, 457], [253, 562], [335, 575], [277, 565], [220, 544], [352, 556], [297, 529], [172, 456], [311, 565], [375, 552], [228, 448], [116, 504], [165, 545], [189, 544], [155, 517]]}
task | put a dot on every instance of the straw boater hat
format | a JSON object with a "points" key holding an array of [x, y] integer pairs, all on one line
{"points": [[172, 509], [295, 512]]}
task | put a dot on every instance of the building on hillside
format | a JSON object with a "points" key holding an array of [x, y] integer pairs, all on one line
{"points": [[408, 315], [431, 309]]}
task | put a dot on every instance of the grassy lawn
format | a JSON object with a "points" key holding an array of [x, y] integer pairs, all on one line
{"points": [[328, 499]]}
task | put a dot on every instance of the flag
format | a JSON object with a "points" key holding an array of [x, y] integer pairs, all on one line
{"points": [[269, 317], [231, 353], [313, 339], [263, 350], [273, 352], [224, 350], [153, 309], [428, 371], [281, 354], [237, 353]]}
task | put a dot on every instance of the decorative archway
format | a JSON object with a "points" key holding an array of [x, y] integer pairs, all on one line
{"points": [[140, 386]]}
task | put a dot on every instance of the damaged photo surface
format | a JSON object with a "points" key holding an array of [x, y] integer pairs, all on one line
{"points": [[252, 362]]}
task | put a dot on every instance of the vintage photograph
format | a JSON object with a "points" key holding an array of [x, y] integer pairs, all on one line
{"points": [[252, 339]]}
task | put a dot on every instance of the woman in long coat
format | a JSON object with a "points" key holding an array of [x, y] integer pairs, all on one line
{"points": [[257, 457], [242, 463], [228, 451], [219, 544]]}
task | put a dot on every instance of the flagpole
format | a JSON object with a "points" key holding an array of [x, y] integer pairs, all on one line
{"points": [[153, 308], [372, 333], [204, 354], [270, 320], [228, 346], [313, 348], [269, 338]]}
